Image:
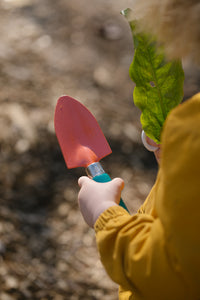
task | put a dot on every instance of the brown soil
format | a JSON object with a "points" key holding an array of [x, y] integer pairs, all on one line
{"points": [[49, 48]]}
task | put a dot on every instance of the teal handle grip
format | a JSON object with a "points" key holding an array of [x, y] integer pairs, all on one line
{"points": [[105, 178]]}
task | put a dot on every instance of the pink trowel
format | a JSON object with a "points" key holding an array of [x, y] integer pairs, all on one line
{"points": [[81, 139]]}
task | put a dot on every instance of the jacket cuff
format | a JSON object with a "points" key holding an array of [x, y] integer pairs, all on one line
{"points": [[113, 212]]}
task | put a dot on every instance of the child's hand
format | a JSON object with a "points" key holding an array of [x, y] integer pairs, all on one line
{"points": [[151, 146], [94, 197], [157, 152]]}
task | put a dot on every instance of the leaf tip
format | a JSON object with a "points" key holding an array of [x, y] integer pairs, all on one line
{"points": [[127, 13]]}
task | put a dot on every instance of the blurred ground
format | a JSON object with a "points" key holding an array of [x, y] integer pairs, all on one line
{"points": [[49, 48]]}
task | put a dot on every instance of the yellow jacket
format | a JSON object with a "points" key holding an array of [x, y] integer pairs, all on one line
{"points": [[155, 254]]}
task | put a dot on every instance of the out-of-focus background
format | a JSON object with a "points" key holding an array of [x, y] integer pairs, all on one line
{"points": [[49, 48]]}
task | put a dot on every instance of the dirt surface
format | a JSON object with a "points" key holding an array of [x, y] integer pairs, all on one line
{"points": [[49, 48]]}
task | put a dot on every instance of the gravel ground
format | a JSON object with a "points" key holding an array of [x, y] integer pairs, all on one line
{"points": [[49, 48]]}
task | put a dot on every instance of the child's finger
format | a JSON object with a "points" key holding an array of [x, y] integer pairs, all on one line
{"points": [[148, 143], [119, 182], [82, 180]]}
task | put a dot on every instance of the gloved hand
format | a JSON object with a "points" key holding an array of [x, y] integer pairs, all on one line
{"points": [[94, 197], [151, 146]]}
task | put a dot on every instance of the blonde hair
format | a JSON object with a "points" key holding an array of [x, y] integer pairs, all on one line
{"points": [[174, 22]]}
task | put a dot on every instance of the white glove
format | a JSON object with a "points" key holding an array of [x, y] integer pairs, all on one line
{"points": [[151, 146], [94, 197]]}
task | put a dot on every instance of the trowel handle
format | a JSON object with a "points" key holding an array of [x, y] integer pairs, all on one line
{"points": [[105, 178]]}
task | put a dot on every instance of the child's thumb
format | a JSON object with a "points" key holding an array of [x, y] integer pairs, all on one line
{"points": [[82, 180], [119, 183]]}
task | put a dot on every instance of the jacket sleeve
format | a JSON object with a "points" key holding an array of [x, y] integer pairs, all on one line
{"points": [[134, 254], [155, 253]]}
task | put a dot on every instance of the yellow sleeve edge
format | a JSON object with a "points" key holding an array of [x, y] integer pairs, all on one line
{"points": [[111, 213]]}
